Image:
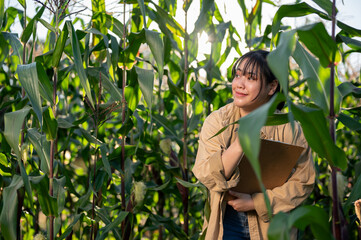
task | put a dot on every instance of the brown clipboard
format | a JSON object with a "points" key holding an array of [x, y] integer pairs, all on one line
{"points": [[277, 159]]}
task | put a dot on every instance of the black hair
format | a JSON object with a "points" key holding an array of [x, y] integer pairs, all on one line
{"points": [[256, 62]]}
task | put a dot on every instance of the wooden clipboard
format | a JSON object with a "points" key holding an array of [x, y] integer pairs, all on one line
{"points": [[277, 159]]}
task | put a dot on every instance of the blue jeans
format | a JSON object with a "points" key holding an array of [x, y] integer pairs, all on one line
{"points": [[235, 225]]}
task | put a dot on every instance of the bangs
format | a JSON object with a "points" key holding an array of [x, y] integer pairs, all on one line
{"points": [[251, 65]]}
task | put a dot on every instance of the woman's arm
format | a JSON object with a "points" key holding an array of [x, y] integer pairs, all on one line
{"points": [[231, 157], [209, 168]]}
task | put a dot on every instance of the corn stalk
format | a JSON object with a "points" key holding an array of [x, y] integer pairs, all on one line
{"points": [[185, 164]]}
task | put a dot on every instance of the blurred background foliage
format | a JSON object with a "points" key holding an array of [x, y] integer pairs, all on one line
{"points": [[99, 121]]}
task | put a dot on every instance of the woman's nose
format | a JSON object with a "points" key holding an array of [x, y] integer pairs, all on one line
{"points": [[240, 81]]}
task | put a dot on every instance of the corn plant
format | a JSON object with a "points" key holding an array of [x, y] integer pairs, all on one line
{"points": [[99, 123]]}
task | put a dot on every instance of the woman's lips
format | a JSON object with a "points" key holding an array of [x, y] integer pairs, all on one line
{"points": [[239, 94]]}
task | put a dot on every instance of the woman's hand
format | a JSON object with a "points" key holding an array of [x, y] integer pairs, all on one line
{"points": [[242, 202]]}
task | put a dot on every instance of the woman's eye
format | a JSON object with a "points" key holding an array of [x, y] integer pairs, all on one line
{"points": [[251, 77]]}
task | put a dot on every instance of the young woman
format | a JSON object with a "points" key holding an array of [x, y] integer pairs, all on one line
{"points": [[246, 217]]}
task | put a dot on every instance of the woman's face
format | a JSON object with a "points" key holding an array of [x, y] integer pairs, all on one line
{"points": [[246, 89]]}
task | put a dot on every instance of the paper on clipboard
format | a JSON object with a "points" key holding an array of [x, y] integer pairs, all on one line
{"points": [[276, 160]]}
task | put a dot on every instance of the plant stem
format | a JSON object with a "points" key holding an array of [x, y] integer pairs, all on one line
{"points": [[124, 223], [336, 226], [96, 127], [185, 165], [53, 141], [20, 199], [20, 194], [209, 76]]}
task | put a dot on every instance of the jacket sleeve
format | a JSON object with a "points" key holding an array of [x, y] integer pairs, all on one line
{"points": [[208, 167], [298, 187]]}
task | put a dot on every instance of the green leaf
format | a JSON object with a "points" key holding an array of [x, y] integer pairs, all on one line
{"points": [[278, 60], [249, 133], [59, 193], [104, 151], [188, 184], [2, 7], [69, 228], [97, 32], [78, 62], [205, 15], [277, 119], [89, 137], [315, 217], [127, 125], [10, 15], [110, 22], [176, 90], [352, 43], [132, 96], [168, 224], [22, 3], [63, 123], [4, 166], [108, 85], [315, 129], [98, 6], [164, 19], [115, 50], [47, 25], [249, 137], [161, 187], [296, 10], [48, 204], [347, 88], [50, 124], [355, 193], [4, 49], [142, 10], [13, 125], [45, 86], [350, 30], [59, 47], [279, 228], [31, 25], [186, 5], [42, 147], [84, 200], [26, 182], [15, 44], [317, 40], [113, 225], [28, 77], [3, 160], [310, 68], [163, 122], [156, 46], [104, 215], [9, 213], [325, 5], [349, 122], [146, 83]]}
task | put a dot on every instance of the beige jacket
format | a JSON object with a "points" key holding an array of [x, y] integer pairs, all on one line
{"points": [[208, 169]]}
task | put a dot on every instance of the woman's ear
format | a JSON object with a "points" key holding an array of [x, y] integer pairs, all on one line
{"points": [[272, 87]]}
